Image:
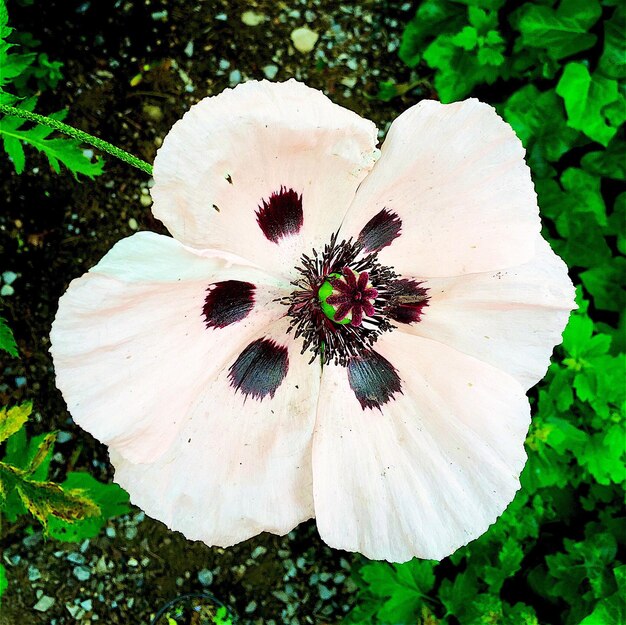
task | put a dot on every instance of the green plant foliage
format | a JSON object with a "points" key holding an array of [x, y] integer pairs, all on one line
{"points": [[4, 583], [7, 340], [72, 511], [16, 132], [58, 150], [557, 548], [110, 499]]}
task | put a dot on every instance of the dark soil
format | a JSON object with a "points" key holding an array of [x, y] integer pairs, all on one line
{"points": [[130, 71]]}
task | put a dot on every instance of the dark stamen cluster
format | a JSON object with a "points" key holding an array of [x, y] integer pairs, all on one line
{"points": [[329, 341]]}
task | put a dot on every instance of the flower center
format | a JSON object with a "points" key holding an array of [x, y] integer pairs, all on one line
{"points": [[347, 297], [344, 299]]}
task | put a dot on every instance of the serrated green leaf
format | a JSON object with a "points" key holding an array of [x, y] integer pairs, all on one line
{"points": [[7, 340], [604, 455], [561, 32], [47, 499], [586, 98], [458, 594], [110, 498], [12, 419], [43, 451], [59, 151]]}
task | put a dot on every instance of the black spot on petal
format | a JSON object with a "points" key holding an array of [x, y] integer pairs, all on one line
{"points": [[281, 215], [406, 301], [227, 302], [260, 369], [373, 379], [380, 231]]}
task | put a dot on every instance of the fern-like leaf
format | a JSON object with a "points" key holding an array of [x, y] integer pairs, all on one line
{"points": [[59, 151]]}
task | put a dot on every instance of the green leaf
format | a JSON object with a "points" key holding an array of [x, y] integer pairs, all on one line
{"points": [[605, 454], [7, 340], [527, 111], [110, 498], [561, 32], [613, 60], [12, 419], [458, 594], [4, 582], [42, 453], [586, 100], [401, 587], [432, 17], [46, 499], [606, 284], [59, 151], [609, 162]]}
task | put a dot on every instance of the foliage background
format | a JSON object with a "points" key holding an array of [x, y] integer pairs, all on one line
{"points": [[555, 70]]}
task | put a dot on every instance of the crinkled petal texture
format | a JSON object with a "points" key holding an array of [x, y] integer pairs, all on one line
{"points": [[510, 318], [455, 177], [430, 469], [284, 144], [151, 364]]}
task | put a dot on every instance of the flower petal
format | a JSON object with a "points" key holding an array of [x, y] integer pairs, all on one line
{"points": [[451, 193], [230, 172], [135, 341], [511, 319], [429, 468], [242, 462]]}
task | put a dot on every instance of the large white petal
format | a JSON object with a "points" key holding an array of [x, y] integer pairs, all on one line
{"points": [[511, 319], [430, 470], [231, 151], [131, 348], [454, 174], [239, 466]]}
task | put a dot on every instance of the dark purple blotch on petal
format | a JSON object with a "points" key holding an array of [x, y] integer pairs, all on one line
{"points": [[380, 231], [373, 379], [260, 369], [281, 215], [227, 302], [406, 301]]}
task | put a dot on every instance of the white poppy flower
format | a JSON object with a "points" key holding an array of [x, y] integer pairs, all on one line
{"points": [[327, 334]]}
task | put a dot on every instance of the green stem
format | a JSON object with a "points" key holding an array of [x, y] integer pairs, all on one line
{"points": [[101, 145]]}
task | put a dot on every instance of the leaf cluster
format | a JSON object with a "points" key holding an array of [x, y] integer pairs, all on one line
{"points": [[19, 70], [555, 71]]}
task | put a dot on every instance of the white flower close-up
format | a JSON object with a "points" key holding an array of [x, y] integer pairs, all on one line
{"points": [[334, 331]]}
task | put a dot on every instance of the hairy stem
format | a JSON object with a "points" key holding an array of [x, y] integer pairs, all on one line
{"points": [[101, 145]]}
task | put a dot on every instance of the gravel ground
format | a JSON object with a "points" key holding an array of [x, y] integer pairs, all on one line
{"points": [[131, 69]]}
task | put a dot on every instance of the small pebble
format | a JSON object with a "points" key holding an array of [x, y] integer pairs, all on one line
{"points": [[258, 551], [251, 607], [133, 562], [33, 573], [76, 558], [205, 577], [250, 18], [110, 532], [270, 71], [44, 604], [81, 573], [304, 39], [234, 77], [9, 277]]}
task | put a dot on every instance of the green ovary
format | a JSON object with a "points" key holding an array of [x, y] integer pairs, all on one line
{"points": [[325, 291]]}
